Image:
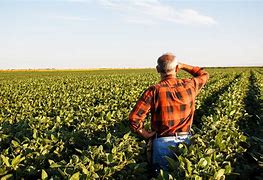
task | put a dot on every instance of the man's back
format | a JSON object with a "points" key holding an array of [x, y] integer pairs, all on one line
{"points": [[171, 103], [173, 108]]}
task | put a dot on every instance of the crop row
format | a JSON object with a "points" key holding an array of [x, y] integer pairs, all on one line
{"points": [[250, 163]]}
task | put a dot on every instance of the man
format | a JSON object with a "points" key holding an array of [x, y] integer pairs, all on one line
{"points": [[172, 105]]}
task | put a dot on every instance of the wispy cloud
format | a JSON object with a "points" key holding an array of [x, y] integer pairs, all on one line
{"points": [[72, 18], [141, 21], [84, 1], [155, 11]]}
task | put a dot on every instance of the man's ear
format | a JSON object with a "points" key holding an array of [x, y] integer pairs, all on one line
{"points": [[157, 68]]}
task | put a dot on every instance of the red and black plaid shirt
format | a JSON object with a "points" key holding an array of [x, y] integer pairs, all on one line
{"points": [[171, 103]]}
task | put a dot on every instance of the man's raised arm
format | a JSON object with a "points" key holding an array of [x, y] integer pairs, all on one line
{"points": [[200, 75]]}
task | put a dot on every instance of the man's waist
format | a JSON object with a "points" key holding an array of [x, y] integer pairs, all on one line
{"points": [[172, 134]]}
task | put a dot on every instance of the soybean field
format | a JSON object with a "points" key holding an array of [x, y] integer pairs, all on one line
{"points": [[73, 124]]}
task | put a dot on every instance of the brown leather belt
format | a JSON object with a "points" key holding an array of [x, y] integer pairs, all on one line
{"points": [[173, 134]]}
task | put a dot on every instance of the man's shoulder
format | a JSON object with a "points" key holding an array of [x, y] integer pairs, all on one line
{"points": [[176, 83], [187, 80], [153, 87]]}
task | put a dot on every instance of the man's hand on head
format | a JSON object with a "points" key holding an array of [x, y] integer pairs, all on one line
{"points": [[180, 65], [185, 67]]}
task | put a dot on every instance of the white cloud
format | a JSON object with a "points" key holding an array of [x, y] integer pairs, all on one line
{"points": [[155, 11], [81, 1], [188, 16], [73, 18], [141, 21]]}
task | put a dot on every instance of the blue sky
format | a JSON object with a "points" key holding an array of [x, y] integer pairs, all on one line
{"points": [[129, 33]]}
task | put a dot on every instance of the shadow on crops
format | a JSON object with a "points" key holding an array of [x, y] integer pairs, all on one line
{"points": [[14, 130], [82, 141], [73, 139], [138, 170], [208, 104], [20, 132], [248, 163], [10, 131]]}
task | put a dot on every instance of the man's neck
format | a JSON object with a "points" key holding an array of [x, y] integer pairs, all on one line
{"points": [[164, 76]]}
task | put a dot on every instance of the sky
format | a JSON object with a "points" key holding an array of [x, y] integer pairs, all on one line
{"points": [[129, 33]]}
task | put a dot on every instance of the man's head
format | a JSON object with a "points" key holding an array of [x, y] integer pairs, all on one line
{"points": [[167, 64]]}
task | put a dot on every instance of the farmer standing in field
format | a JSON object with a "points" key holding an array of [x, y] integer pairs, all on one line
{"points": [[172, 105]]}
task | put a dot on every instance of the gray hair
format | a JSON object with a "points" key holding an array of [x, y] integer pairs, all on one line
{"points": [[167, 62]]}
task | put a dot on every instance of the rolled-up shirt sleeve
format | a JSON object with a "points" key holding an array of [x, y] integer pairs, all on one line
{"points": [[141, 109], [200, 78]]}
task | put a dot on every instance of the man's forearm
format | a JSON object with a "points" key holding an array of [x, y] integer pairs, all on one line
{"points": [[186, 67], [194, 70]]}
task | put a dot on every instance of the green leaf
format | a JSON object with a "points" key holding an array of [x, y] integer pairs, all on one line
{"points": [[170, 177], [51, 161], [232, 112], [8, 176], [171, 162], [78, 150], [34, 133], [196, 177], [163, 175], [53, 138], [3, 171], [95, 175], [208, 159], [5, 160], [84, 170], [209, 151], [189, 166], [228, 169], [100, 149], [15, 143], [202, 162], [16, 161], [108, 115], [109, 158], [108, 137], [44, 175], [75, 176], [55, 165], [219, 174], [114, 150], [75, 158], [62, 173], [58, 119], [126, 136], [180, 146]]}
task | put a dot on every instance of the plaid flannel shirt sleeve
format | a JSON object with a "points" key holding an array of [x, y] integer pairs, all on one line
{"points": [[141, 109], [200, 78]]}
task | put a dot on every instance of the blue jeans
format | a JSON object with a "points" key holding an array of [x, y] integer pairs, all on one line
{"points": [[160, 149]]}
